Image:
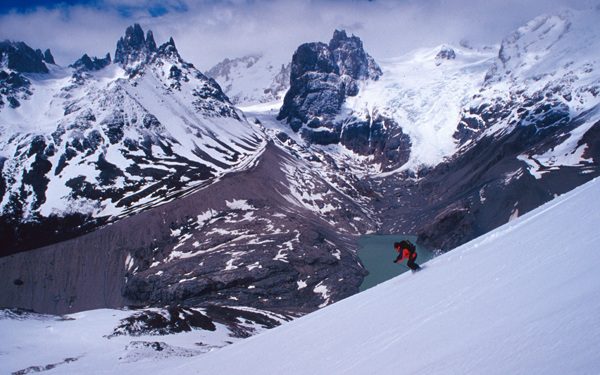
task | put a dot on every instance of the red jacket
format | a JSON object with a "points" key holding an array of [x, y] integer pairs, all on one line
{"points": [[405, 253]]}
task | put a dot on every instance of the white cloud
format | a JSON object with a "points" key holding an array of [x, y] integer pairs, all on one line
{"points": [[208, 31]]}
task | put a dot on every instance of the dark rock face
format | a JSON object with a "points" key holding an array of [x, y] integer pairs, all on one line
{"points": [[321, 78], [446, 53], [179, 319], [22, 58], [85, 63], [316, 88], [134, 48], [48, 57], [378, 136], [12, 86], [352, 59]]}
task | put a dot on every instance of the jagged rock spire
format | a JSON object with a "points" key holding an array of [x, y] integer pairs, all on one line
{"points": [[350, 56], [134, 48], [48, 57]]}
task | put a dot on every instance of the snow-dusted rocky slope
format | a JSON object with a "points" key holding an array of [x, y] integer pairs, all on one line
{"points": [[98, 141], [521, 299]]}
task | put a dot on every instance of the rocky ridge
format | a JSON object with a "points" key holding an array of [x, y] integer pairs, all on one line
{"points": [[17, 58]]}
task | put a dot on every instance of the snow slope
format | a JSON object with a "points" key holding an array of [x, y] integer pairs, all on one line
{"points": [[119, 341], [522, 299], [252, 79]]}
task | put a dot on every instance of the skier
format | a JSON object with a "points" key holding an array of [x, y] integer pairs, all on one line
{"points": [[407, 250]]}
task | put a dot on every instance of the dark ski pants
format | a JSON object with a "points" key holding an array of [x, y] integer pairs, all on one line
{"points": [[411, 263]]}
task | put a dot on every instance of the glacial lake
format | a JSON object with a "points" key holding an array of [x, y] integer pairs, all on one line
{"points": [[377, 255]]}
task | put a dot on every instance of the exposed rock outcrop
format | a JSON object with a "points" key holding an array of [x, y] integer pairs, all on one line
{"points": [[446, 53], [23, 59], [85, 63], [322, 77], [134, 49]]}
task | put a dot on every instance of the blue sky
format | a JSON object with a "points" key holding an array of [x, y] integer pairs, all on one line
{"points": [[207, 31], [24, 5]]}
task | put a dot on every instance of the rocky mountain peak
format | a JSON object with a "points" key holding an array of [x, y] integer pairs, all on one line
{"points": [[321, 78], [340, 37], [134, 38], [85, 63], [48, 57], [22, 58], [350, 56], [168, 49], [134, 48]]}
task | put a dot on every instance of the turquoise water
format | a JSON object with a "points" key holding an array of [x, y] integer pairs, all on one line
{"points": [[377, 255]]}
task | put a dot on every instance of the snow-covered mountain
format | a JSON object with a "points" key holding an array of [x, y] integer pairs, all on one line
{"points": [[252, 79], [521, 299], [544, 79], [186, 200], [101, 140], [200, 207]]}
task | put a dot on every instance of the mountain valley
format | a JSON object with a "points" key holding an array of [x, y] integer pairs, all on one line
{"points": [[140, 182]]}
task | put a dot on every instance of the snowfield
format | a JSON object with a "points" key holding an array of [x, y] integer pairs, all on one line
{"points": [[522, 299]]}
